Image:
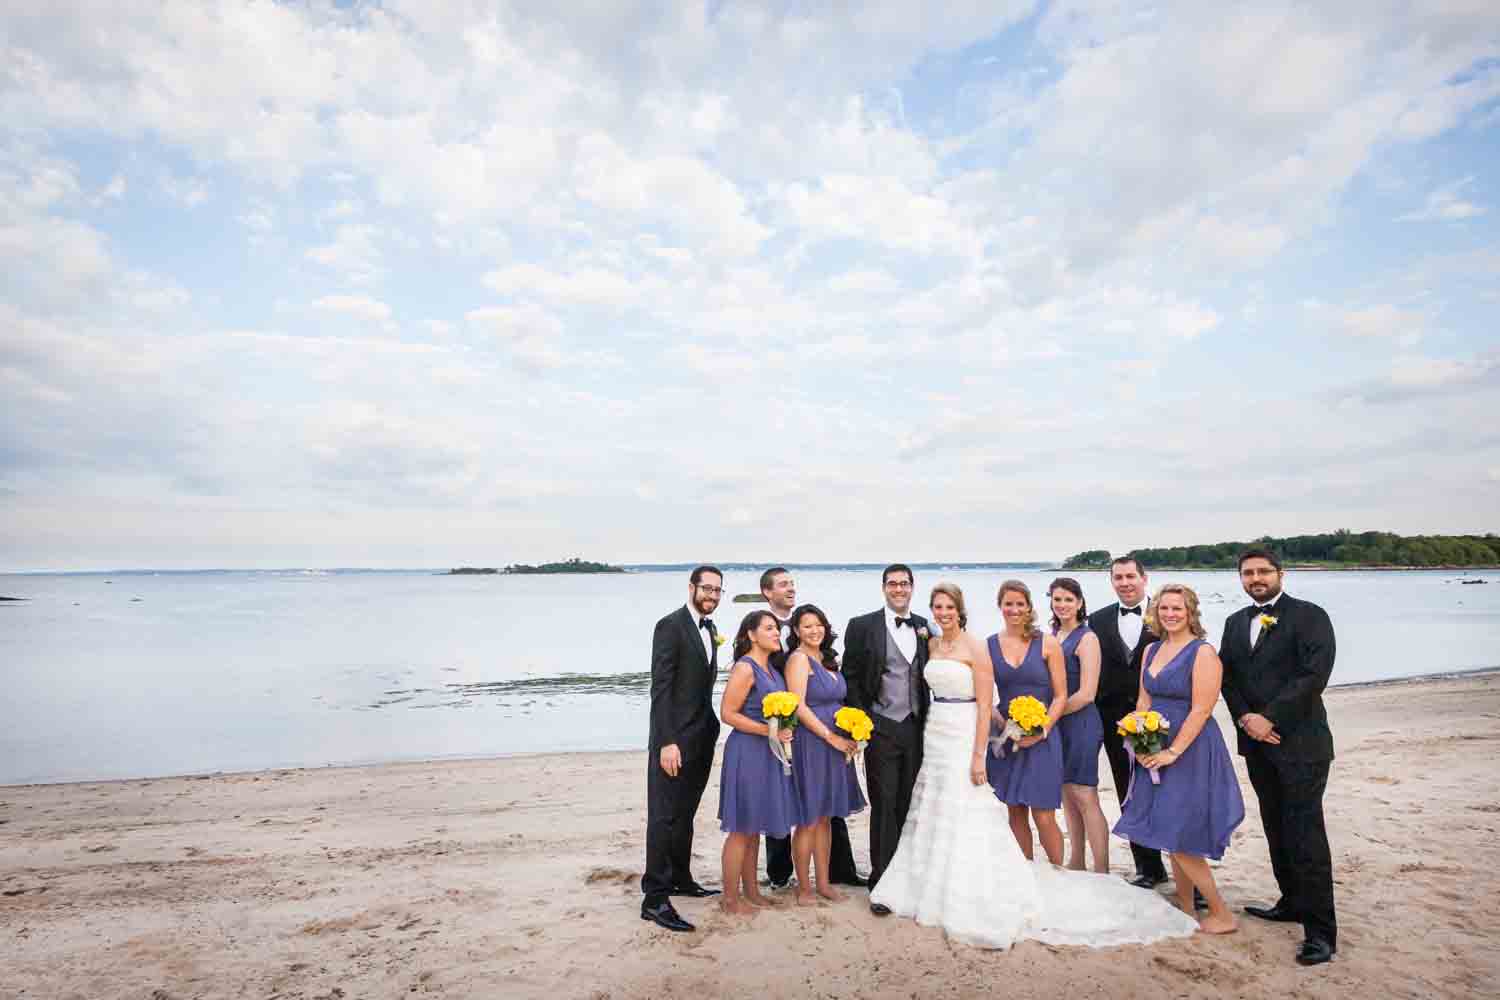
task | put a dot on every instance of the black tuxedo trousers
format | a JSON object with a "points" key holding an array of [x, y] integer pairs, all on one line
{"points": [[671, 806]]}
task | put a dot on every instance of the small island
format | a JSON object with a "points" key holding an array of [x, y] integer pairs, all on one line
{"points": [[1342, 549], [473, 571], [574, 565]]}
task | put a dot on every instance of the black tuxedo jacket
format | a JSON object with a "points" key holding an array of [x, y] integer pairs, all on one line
{"points": [[1283, 678], [1119, 668], [682, 685], [864, 663]]}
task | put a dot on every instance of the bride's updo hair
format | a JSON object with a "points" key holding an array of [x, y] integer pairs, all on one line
{"points": [[1028, 623], [955, 595]]}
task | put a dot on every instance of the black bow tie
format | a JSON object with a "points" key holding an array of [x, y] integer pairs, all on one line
{"points": [[1266, 609], [706, 623], [904, 621], [1130, 611]]}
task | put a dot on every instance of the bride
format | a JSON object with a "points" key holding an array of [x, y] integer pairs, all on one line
{"points": [[958, 865]]}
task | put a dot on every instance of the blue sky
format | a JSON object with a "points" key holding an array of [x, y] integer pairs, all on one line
{"points": [[430, 283]]}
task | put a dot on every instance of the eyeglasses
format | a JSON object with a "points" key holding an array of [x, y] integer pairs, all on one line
{"points": [[899, 584], [710, 590]]}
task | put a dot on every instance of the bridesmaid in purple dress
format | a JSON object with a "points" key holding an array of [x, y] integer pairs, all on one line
{"points": [[1028, 778], [822, 773], [1080, 727], [755, 792], [1197, 804]]}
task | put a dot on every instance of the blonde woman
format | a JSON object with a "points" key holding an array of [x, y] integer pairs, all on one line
{"points": [[1028, 777], [1195, 804]]}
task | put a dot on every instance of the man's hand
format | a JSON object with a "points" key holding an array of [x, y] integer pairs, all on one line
{"points": [[671, 759], [1258, 727]]}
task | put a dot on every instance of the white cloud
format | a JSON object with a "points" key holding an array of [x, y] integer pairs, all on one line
{"points": [[1447, 205], [354, 253], [358, 306]]}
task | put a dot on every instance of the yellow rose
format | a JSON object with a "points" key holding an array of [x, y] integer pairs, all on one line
{"points": [[1153, 722], [1128, 723]]}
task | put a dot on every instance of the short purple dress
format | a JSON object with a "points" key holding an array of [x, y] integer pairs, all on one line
{"points": [[755, 792], [1082, 731], [823, 779], [1198, 804], [1030, 777]]}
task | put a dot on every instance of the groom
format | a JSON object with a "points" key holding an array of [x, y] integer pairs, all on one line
{"points": [[883, 661], [1278, 655], [780, 591], [1123, 638], [684, 729]]}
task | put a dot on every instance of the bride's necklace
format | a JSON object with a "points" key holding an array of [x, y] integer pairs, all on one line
{"points": [[946, 645]]}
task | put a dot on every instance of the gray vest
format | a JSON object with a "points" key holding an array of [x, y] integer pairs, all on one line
{"points": [[895, 699]]}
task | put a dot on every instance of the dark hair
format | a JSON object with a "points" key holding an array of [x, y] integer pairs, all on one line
{"points": [[698, 572], [885, 574], [1140, 567], [1257, 552], [830, 657], [1071, 586], [750, 624], [769, 577]]}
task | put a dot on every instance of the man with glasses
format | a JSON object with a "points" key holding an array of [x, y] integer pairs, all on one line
{"points": [[884, 655], [684, 729]]}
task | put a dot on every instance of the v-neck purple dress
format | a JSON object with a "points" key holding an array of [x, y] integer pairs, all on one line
{"points": [[1030, 777], [1082, 732], [755, 792], [822, 777], [1198, 804]]}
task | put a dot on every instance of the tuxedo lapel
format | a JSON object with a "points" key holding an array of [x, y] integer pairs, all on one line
{"points": [[694, 636], [1110, 628]]}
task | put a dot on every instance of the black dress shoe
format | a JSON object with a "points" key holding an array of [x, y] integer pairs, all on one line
{"points": [[663, 915], [1280, 913], [1148, 881], [694, 891], [880, 909], [1315, 951], [856, 880], [774, 884]]}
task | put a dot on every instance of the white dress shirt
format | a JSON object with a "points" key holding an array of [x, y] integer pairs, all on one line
{"points": [[1255, 619], [708, 640], [1131, 625], [905, 636]]}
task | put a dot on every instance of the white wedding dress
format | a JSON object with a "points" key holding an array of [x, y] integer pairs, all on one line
{"points": [[958, 866]]}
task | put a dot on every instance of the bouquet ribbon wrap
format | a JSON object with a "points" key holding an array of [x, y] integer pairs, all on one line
{"points": [[1155, 776], [781, 751]]}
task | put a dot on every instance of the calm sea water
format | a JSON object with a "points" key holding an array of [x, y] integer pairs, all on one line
{"points": [[137, 674]]}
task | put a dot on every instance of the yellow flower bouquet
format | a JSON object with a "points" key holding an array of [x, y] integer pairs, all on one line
{"points": [[779, 709], [1145, 733], [858, 725], [1024, 716]]}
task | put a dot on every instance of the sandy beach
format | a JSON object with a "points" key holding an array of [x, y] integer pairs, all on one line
{"points": [[519, 877]]}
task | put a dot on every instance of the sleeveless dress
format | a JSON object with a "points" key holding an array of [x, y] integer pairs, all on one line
{"points": [[755, 792], [823, 779], [1082, 731], [958, 866], [1030, 777], [1198, 803]]}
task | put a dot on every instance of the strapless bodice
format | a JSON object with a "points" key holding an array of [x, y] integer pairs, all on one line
{"points": [[949, 679]]}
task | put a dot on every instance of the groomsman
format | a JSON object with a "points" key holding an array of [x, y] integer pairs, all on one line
{"points": [[1278, 655], [884, 657], [1123, 638], [780, 591], [684, 730]]}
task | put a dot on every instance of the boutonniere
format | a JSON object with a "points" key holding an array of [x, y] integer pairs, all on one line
{"points": [[1267, 621], [719, 639], [922, 633]]}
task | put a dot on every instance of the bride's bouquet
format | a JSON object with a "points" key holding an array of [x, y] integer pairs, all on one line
{"points": [[779, 709], [1145, 733], [1025, 716], [858, 725]]}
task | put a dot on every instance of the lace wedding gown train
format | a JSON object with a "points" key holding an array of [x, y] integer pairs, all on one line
{"points": [[959, 868]]}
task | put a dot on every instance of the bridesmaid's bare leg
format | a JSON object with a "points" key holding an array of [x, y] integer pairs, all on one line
{"points": [[804, 844], [1096, 825], [1077, 840], [824, 847], [1218, 919], [1049, 834], [732, 867], [750, 875], [1020, 825]]}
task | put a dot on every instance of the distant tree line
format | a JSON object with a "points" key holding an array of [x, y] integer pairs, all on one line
{"points": [[1341, 548], [574, 565]]}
